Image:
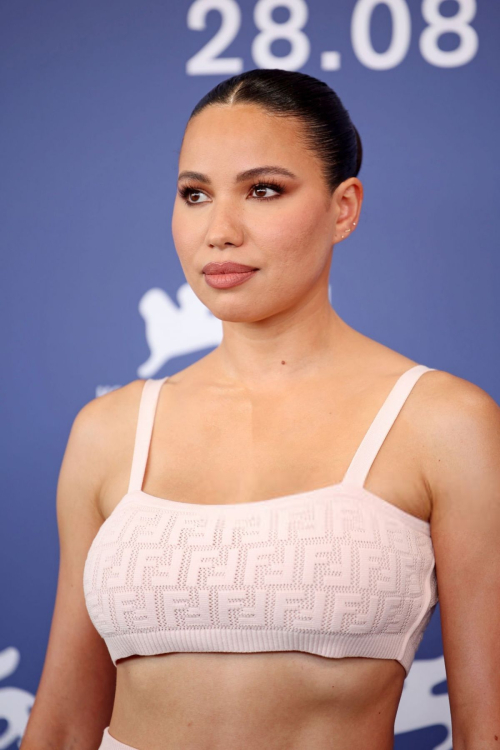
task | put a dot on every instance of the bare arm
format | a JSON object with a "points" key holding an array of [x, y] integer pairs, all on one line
{"points": [[463, 467], [75, 696]]}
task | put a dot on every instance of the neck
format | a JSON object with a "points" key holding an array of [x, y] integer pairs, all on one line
{"points": [[289, 346]]}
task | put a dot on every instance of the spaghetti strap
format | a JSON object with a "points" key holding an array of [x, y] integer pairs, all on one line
{"points": [[370, 445], [145, 420]]}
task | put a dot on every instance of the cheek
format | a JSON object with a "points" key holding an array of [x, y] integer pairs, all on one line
{"points": [[287, 238], [182, 234]]}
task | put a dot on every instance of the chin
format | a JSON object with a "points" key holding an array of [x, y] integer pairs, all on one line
{"points": [[255, 314], [237, 316]]}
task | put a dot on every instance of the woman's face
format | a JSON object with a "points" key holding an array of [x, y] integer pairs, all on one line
{"points": [[286, 233]]}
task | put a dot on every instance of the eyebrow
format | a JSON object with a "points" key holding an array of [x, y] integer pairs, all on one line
{"points": [[248, 174]]}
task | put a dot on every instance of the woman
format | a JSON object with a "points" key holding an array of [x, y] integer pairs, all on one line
{"points": [[261, 536]]}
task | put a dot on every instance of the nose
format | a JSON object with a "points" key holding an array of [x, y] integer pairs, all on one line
{"points": [[224, 228]]}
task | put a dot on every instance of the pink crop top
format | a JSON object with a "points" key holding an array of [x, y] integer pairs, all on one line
{"points": [[337, 571]]}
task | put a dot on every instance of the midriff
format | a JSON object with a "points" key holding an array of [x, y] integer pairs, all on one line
{"points": [[279, 700]]}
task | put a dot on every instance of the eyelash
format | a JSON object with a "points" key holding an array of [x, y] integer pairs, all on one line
{"points": [[185, 191]]}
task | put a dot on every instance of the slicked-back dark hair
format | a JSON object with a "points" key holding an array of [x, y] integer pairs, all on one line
{"points": [[327, 127]]}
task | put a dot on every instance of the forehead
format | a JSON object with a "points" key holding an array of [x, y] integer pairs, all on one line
{"points": [[243, 135]]}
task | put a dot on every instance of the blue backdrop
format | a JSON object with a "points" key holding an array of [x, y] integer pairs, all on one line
{"points": [[95, 95]]}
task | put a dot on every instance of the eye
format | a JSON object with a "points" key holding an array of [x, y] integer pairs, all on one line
{"points": [[188, 190], [276, 186]]}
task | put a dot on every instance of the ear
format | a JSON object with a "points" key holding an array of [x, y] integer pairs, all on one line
{"points": [[348, 197]]}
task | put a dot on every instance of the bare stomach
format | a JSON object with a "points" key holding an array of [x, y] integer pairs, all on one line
{"points": [[277, 701]]}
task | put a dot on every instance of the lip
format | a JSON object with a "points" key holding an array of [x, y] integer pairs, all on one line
{"points": [[226, 267], [228, 280]]}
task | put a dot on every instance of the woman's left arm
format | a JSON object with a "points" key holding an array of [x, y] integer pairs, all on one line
{"points": [[462, 467]]}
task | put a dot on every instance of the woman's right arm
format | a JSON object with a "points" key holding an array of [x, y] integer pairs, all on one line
{"points": [[75, 696]]}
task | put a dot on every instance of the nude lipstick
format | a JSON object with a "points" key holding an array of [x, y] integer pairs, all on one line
{"points": [[228, 274]]}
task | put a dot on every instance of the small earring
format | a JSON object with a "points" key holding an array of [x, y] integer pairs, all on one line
{"points": [[347, 230]]}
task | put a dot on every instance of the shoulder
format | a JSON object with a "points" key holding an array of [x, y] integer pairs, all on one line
{"points": [[454, 403], [458, 426], [108, 412], [100, 431]]}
